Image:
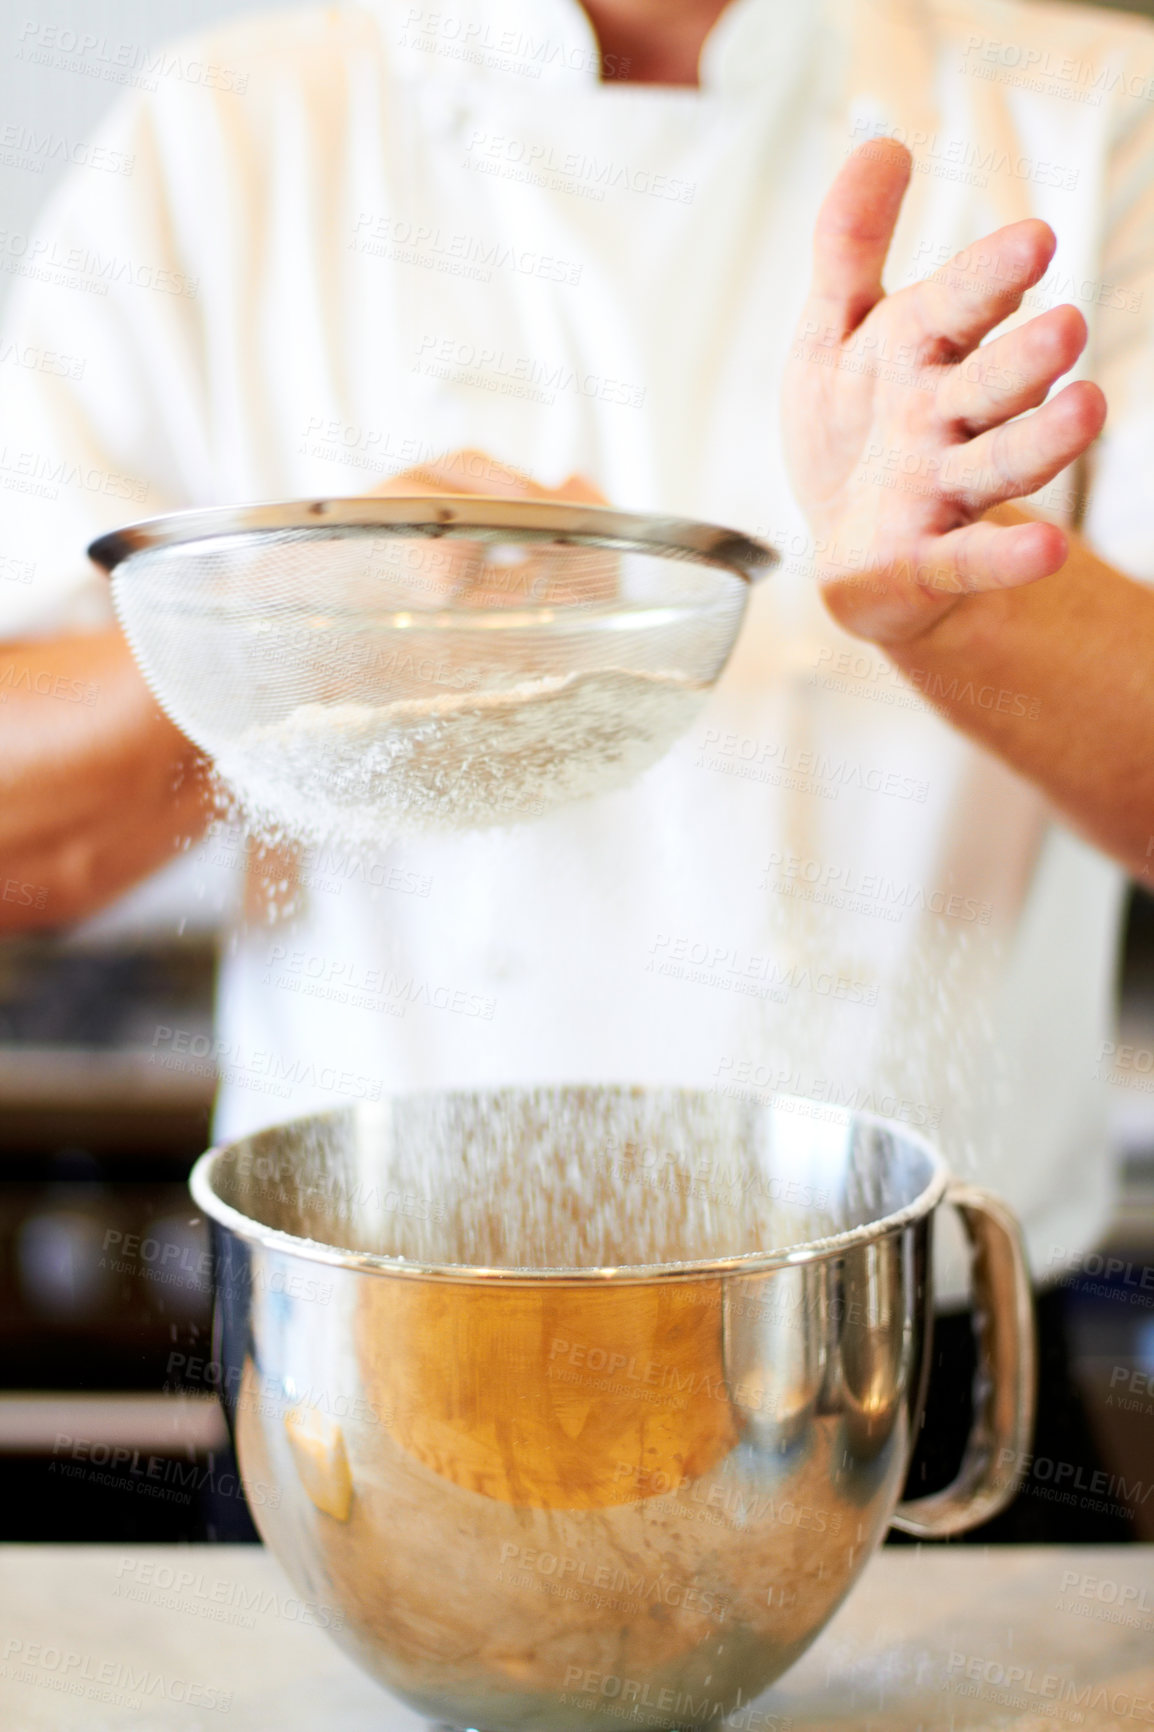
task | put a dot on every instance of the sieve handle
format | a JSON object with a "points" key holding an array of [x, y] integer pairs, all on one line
{"points": [[1004, 1382]]}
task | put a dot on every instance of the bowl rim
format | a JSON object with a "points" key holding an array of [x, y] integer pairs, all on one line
{"points": [[809, 1252], [450, 515]]}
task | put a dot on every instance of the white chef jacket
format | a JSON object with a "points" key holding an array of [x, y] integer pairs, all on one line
{"points": [[353, 238]]}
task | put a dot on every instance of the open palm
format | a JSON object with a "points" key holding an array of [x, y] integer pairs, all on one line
{"points": [[902, 433]]}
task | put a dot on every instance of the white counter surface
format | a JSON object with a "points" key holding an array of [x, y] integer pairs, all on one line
{"points": [[155, 1638]]}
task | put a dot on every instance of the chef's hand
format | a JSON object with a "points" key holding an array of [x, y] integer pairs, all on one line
{"points": [[460, 569], [900, 431]]}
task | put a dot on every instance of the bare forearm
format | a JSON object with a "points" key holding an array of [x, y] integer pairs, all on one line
{"points": [[1057, 678], [97, 788]]}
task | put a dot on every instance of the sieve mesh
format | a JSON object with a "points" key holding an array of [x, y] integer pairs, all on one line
{"points": [[361, 678]]}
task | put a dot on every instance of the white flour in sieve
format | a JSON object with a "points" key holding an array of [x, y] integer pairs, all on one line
{"points": [[457, 760]]}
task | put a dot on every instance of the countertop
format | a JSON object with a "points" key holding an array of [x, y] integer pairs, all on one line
{"points": [[190, 1638]]}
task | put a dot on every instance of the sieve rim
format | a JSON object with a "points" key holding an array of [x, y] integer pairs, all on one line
{"points": [[805, 1253], [449, 515]]}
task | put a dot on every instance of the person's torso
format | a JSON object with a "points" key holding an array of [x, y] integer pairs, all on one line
{"points": [[822, 886]]}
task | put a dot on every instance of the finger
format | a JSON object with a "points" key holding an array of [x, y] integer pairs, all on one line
{"points": [[554, 576], [1005, 378], [568, 577], [463, 472], [1017, 459], [960, 304], [977, 557], [854, 228], [470, 471], [466, 571], [416, 571], [580, 491], [450, 569], [572, 576], [984, 556]]}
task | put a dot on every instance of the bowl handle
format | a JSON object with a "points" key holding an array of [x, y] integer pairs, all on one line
{"points": [[1004, 1383]]}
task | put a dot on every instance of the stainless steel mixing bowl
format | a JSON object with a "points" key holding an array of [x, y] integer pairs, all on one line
{"points": [[543, 1495]]}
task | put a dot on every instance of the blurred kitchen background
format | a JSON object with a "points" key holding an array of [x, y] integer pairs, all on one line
{"points": [[109, 1429]]}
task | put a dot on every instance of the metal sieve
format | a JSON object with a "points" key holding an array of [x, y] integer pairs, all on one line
{"points": [[358, 668]]}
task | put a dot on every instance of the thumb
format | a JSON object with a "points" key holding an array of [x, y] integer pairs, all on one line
{"points": [[854, 228], [579, 490]]}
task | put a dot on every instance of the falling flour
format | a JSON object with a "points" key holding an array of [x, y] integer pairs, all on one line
{"points": [[565, 1177], [457, 760]]}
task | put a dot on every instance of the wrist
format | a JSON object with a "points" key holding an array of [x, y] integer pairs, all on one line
{"points": [[969, 632]]}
